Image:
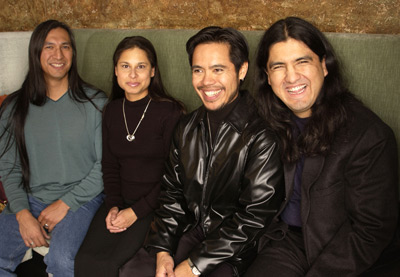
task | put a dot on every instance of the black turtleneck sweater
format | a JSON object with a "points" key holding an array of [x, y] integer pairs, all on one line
{"points": [[132, 171]]}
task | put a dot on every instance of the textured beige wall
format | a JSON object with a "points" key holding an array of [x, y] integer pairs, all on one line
{"points": [[355, 16]]}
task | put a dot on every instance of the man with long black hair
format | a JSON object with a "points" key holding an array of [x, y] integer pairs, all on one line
{"points": [[340, 161], [50, 161]]}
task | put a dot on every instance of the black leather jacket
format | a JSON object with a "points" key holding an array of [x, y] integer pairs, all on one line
{"points": [[232, 190]]}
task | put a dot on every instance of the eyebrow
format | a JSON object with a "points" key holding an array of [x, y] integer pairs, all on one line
{"points": [[211, 67], [306, 57], [63, 43]]}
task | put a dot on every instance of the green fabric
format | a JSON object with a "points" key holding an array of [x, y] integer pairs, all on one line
{"points": [[63, 141], [370, 62]]}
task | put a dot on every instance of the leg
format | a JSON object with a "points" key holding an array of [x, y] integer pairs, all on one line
{"points": [[143, 264], [102, 253], [67, 237], [11, 244], [284, 258]]}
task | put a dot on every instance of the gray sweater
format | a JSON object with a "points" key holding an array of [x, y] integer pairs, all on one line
{"points": [[63, 140]]}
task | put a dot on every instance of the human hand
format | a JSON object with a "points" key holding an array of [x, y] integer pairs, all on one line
{"points": [[183, 270], [125, 218], [111, 216], [53, 214], [31, 230], [165, 265]]}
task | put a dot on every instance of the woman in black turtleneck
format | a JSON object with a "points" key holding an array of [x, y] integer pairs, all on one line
{"points": [[137, 128]]}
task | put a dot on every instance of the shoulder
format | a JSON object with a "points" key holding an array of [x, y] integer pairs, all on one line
{"points": [[363, 121], [167, 107], [96, 95]]}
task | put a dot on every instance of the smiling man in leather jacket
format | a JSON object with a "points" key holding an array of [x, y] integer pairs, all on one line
{"points": [[223, 182]]}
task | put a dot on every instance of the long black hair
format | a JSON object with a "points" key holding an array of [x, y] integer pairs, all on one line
{"points": [[329, 112], [156, 88], [34, 91]]}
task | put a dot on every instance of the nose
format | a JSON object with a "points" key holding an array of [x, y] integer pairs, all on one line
{"points": [[132, 74], [291, 75], [59, 53], [208, 78]]}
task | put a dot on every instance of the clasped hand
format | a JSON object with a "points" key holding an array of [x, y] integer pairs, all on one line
{"points": [[119, 220]]}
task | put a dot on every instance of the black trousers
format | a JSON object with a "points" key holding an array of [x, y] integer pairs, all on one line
{"points": [[102, 253], [143, 264], [283, 258]]}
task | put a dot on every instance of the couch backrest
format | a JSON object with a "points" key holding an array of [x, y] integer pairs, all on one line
{"points": [[371, 64]]}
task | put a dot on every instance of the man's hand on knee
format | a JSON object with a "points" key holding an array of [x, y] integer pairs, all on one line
{"points": [[30, 229]]}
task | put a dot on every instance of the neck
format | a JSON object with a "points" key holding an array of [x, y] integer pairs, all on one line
{"points": [[56, 88]]}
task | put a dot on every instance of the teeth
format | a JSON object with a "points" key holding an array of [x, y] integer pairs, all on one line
{"points": [[57, 64], [296, 89], [212, 93]]}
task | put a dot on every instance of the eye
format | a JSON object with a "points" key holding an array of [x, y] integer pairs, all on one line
{"points": [[277, 67], [196, 70], [124, 66], [66, 47], [218, 70], [141, 66]]}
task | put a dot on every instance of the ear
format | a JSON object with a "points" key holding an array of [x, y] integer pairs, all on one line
{"points": [[243, 70], [115, 71], [266, 72], [324, 69], [153, 70]]}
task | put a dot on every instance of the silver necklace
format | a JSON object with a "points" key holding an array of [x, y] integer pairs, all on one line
{"points": [[130, 137]]}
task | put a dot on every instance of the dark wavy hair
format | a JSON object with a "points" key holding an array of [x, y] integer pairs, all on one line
{"points": [[238, 47], [329, 112], [156, 89], [34, 91]]}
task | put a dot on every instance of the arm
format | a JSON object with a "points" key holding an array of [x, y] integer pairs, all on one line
{"points": [[173, 216], [371, 204], [261, 196], [111, 168]]}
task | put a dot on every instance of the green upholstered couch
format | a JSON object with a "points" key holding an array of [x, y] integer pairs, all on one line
{"points": [[371, 64]]}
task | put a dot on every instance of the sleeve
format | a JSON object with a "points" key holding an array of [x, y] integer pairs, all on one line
{"points": [[371, 200], [111, 169], [261, 196], [10, 171], [150, 202], [172, 217], [92, 184]]}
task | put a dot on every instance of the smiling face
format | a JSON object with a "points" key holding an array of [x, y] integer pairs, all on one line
{"points": [[56, 56], [134, 73], [296, 75], [214, 76]]}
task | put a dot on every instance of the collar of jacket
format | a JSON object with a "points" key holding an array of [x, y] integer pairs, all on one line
{"points": [[238, 118]]}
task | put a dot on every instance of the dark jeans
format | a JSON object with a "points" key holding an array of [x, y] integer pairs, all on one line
{"points": [[143, 264]]}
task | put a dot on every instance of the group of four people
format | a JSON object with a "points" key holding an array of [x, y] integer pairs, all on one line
{"points": [[297, 178]]}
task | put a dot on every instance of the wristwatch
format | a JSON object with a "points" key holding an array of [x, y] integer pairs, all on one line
{"points": [[194, 269]]}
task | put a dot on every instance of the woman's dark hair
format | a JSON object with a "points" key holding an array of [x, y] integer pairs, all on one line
{"points": [[34, 91], [238, 48], [156, 89], [329, 112]]}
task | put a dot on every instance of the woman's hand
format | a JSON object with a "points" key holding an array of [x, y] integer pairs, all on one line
{"points": [[125, 218]]}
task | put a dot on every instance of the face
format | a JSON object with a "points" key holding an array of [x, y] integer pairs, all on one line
{"points": [[214, 76], [134, 73], [296, 75], [56, 56]]}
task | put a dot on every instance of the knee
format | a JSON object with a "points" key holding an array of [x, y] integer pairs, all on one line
{"points": [[60, 263]]}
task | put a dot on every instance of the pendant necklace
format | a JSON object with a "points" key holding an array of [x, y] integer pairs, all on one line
{"points": [[130, 137]]}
